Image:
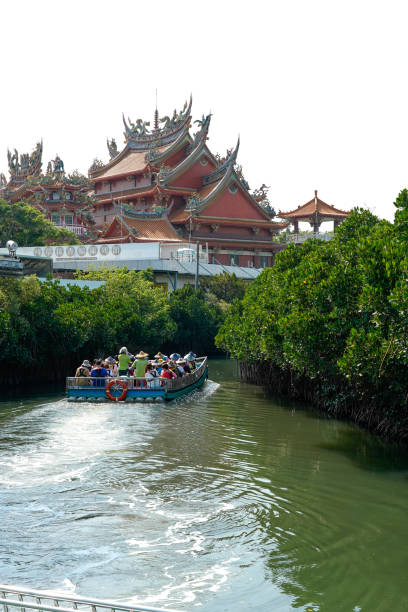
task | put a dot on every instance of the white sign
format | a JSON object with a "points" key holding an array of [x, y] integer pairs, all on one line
{"points": [[94, 252]]}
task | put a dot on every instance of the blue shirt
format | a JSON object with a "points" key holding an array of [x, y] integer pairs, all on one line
{"points": [[100, 373]]}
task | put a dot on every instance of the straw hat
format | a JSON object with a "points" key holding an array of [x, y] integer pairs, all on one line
{"points": [[141, 355]]}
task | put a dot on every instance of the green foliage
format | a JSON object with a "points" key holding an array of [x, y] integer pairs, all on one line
{"points": [[47, 327], [335, 312], [224, 286], [28, 226], [197, 321]]}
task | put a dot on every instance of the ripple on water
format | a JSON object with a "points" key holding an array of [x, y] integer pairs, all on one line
{"points": [[222, 499]]}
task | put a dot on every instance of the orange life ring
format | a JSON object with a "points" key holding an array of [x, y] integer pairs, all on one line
{"points": [[116, 382]]}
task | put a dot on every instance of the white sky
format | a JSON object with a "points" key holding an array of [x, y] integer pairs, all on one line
{"points": [[316, 89]]}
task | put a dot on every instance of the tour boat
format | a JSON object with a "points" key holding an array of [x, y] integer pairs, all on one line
{"points": [[131, 389]]}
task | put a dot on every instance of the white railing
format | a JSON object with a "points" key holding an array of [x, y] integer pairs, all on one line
{"points": [[297, 238], [79, 230], [95, 382], [182, 251], [22, 599]]}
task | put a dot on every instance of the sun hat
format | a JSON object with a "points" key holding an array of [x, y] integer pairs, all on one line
{"points": [[159, 355], [123, 350], [109, 360], [86, 364], [175, 356], [190, 356], [141, 355]]}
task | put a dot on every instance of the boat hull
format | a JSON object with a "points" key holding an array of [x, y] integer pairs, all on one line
{"points": [[173, 394]]}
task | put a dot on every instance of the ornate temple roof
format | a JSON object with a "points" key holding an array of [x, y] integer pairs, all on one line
{"points": [[144, 147], [228, 165], [144, 230], [194, 151], [138, 136], [133, 163], [312, 208]]}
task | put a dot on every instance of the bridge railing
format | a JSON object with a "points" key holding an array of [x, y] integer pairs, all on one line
{"points": [[15, 598]]}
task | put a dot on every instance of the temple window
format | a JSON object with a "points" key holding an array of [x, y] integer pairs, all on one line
{"points": [[56, 219], [263, 261], [69, 220], [68, 195], [234, 259], [55, 195], [233, 188]]}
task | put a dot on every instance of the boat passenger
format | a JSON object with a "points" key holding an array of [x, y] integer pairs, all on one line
{"points": [[124, 361], [175, 368], [152, 378], [180, 367], [98, 374], [166, 372], [112, 366], [139, 364], [83, 374], [184, 365], [190, 359], [158, 366]]}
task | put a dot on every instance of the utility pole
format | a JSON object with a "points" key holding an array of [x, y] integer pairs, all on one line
{"points": [[197, 265]]}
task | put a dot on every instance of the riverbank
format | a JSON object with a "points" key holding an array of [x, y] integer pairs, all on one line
{"points": [[329, 323], [332, 399]]}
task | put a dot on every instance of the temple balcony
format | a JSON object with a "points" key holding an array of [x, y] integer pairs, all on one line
{"points": [[117, 193], [79, 230], [303, 236], [231, 236]]}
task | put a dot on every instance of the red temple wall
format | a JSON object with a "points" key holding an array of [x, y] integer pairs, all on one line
{"points": [[193, 176], [176, 158]]}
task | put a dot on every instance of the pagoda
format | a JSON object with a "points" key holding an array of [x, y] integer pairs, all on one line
{"points": [[166, 185], [315, 213], [65, 200]]}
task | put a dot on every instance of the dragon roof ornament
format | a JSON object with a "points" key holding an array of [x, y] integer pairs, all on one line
{"points": [[221, 171], [138, 136], [24, 165], [201, 135]]}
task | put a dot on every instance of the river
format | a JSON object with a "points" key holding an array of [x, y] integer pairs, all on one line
{"points": [[228, 499]]}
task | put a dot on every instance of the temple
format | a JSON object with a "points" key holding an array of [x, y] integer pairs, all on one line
{"points": [[64, 199], [315, 213], [166, 185]]}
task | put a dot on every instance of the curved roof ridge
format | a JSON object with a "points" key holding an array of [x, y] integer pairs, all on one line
{"points": [[169, 133], [229, 163], [197, 146], [314, 206], [111, 162]]}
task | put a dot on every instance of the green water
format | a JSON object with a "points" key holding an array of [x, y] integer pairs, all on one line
{"points": [[227, 499]]}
